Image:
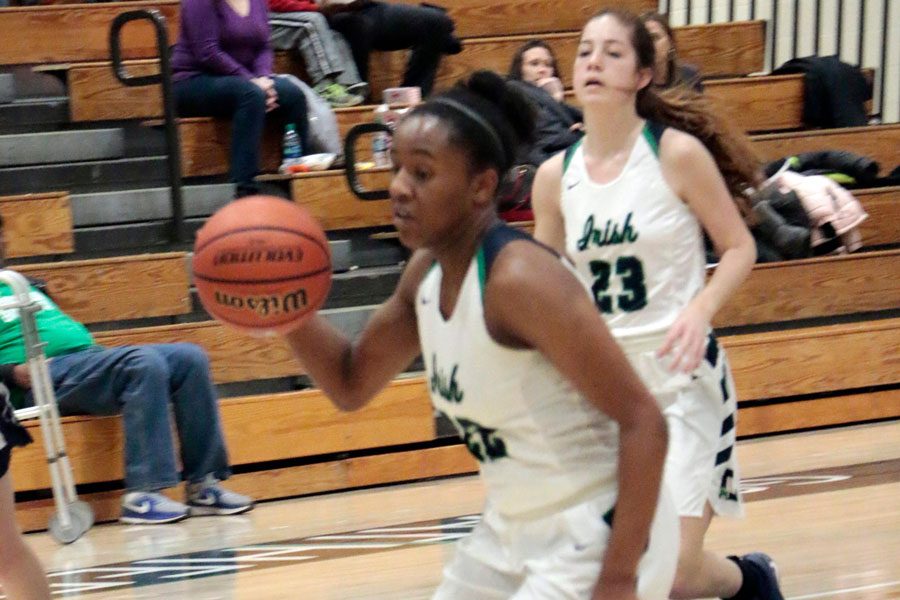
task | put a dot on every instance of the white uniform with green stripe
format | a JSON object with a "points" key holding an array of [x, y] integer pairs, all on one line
{"points": [[641, 249], [548, 458]]}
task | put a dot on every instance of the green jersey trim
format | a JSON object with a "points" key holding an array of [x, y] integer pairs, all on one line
{"points": [[482, 271], [570, 152]]}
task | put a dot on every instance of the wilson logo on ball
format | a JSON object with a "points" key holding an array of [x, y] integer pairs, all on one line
{"points": [[264, 306], [262, 265]]}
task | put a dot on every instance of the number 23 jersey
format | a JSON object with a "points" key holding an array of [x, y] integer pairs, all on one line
{"points": [[637, 243]]}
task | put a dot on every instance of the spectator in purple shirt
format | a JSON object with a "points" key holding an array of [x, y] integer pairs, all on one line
{"points": [[222, 67]]}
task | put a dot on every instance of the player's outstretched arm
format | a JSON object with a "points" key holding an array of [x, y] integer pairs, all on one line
{"points": [[533, 301], [352, 372]]}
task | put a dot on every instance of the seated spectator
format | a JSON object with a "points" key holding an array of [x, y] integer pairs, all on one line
{"points": [[298, 24], [21, 575], [141, 383], [669, 71], [558, 125], [222, 67], [369, 25]]}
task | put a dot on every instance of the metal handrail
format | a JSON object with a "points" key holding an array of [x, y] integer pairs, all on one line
{"points": [[173, 144]]}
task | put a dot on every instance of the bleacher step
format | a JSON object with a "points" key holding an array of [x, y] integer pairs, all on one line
{"points": [[34, 114], [60, 147], [7, 88], [85, 176], [148, 204]]}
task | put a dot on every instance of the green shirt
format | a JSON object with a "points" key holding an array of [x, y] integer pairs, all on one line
{"points": [[57, 330]]}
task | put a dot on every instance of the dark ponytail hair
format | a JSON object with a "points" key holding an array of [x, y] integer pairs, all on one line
{"points": [[693, 113], [515, 67], [487, 117]]}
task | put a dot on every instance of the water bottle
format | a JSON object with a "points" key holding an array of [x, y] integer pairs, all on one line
{"points": [[381, 143], [290, 148]]}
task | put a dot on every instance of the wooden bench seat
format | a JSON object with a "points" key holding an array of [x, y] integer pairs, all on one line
{"points": [[328, 197], [37, 224], [474, 18], [720, 49], [119, 288], [879, 142], [64, 33], [883, 225], [292, 425], [815, 360], [233, 356], [771, 366], [763, 102], [815, 287]]}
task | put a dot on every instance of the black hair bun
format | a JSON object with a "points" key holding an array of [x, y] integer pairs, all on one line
{"points": [[511, 102]]}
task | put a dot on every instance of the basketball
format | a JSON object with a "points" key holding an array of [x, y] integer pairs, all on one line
{"points": [[262, 264]]}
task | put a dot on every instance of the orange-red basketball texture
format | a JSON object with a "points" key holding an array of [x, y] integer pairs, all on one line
{"points": [[262, 264]]}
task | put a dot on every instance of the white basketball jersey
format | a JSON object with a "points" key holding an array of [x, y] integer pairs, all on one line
{"points": [[539, 443], [636, 242]]}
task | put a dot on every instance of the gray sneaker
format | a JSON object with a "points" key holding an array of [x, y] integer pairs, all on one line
{"points": [[213, 499], [769, 587]]}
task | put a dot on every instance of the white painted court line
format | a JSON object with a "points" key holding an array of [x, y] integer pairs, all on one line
{"points": [[861, 588]]}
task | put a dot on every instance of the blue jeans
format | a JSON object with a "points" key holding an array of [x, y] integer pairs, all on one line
{"points": [[242, 101], [141, 382]]}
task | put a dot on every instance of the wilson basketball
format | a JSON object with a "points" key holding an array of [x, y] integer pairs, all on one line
{"points": [[262, 264]]}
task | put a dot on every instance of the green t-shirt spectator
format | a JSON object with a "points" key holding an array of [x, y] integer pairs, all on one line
{"points": [[57, 330]]}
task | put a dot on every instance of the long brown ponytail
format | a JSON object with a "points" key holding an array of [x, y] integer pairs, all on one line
{"points": [[689, 111]]}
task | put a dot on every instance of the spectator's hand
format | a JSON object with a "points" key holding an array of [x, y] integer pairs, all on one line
{"points": [[553, 86], [577, 127], [22, 376], [267, 84], [686, 340]]}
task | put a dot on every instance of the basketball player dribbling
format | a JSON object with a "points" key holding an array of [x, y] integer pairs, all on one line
{"points": [[570, 443], [628, 204]]}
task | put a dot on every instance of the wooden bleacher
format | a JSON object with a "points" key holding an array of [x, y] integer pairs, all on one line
{"points": [[773, 293], [476, 18], [328, 197], [233, 356], [329, 189], [879, 142], [815, 287], [37, 224], [303, 424], [95, 93], [883, 225], [763, 103], [717, 49], [119, 288], [69, 33]]}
